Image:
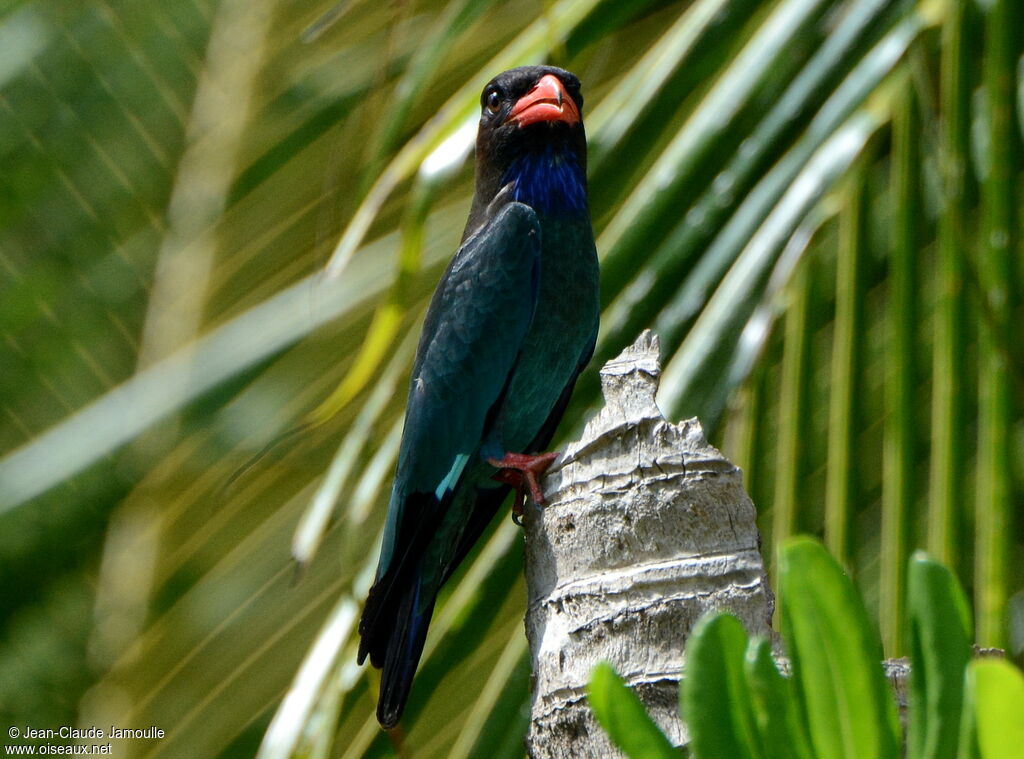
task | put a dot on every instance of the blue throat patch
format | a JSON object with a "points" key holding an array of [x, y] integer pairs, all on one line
{"points": [[550, 182]]}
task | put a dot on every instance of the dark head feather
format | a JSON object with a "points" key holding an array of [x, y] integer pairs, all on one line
{"points": [[500, 142]]}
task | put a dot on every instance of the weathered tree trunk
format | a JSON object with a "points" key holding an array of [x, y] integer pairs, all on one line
{"points": [[647, 527]]}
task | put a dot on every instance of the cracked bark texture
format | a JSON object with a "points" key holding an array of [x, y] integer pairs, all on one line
{"points": [[646, 527]]}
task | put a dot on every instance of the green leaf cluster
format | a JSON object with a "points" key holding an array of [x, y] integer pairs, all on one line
{"points": [[835, 701]]}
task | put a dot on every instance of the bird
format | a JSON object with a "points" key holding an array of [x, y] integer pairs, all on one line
{"points": [[509, 329]]}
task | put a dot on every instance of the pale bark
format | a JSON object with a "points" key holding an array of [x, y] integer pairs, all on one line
{"points": [[646, 527]]}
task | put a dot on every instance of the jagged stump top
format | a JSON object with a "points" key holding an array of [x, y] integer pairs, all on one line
{"points": [[647, 526]]}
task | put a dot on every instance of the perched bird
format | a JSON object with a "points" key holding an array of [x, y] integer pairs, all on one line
{"points": [[509, 329]]}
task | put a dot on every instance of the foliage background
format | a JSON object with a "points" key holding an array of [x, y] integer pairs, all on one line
{"points": [[815, 203]]}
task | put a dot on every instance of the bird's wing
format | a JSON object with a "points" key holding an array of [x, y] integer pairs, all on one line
{"points": [[472, 336], [547, 430], [488, 499]]}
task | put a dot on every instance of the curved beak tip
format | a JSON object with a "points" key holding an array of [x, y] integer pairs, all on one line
{"points": [[547, 101]]}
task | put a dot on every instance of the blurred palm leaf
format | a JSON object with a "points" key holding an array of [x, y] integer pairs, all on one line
{"points": [[179, 175]]}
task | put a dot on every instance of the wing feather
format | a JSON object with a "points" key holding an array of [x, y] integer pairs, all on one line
{"points": [[472, 334]]}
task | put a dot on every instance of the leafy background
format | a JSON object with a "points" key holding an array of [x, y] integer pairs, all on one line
{"points": [[815, 203]]}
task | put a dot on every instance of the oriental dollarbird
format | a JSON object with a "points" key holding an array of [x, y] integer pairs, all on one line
{"points": [[510, 327]]}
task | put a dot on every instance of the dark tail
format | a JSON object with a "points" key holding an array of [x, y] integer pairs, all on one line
{"points": [[394, 624], [393, 631]]}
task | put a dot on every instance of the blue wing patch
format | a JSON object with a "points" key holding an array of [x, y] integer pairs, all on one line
{"points": [[448, 483]]}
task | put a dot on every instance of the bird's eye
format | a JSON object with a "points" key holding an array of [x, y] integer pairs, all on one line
{"points": [[493, 101]]}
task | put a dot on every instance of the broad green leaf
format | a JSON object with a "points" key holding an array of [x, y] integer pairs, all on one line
{"points": [[716, 703], [940, 647], [998, 693], [624, 718], [836, 655], [967, 741], [776, 713]]}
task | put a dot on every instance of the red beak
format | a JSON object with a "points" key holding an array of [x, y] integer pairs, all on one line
{"points": [[547, 101]]}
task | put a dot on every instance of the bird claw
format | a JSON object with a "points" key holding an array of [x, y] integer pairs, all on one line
{"points": [[520, 470], [517, 509]]}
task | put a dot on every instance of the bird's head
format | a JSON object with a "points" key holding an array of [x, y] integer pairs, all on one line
{"points": [[530, 109]]}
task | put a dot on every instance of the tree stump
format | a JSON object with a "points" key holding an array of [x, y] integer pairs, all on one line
{"points": [[646, 527]]}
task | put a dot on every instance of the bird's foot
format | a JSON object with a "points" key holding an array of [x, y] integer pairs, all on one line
{"points": [[520, 470]]}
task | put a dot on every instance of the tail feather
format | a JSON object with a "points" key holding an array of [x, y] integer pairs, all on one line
{"points": [[373, 635], [402, 655], [394, 582], [393, 627]]}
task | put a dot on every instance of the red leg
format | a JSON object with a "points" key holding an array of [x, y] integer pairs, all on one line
{"points": [[515, 479], [519, 469]]}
